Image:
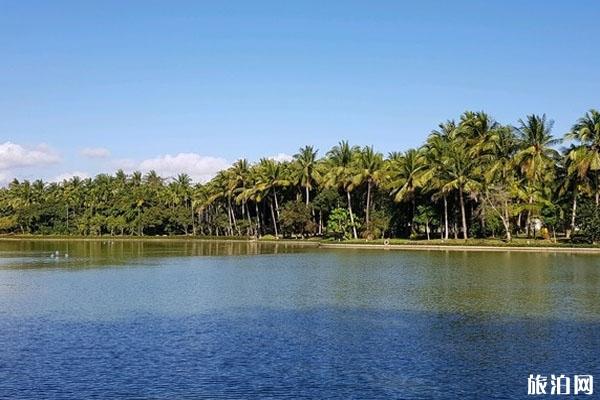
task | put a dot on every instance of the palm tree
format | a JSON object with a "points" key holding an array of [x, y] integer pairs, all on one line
{"points": [[152, 178], [236, 179], [575, 179], [536, 154], [480, 131], [306, 159], [369, 170], [500, 177], [436, 153], [460, 167], [251, 191], [341, 160], [536, 158], [407, 172], [271, 177], [69, 195], [586, 154], [183, 191]]}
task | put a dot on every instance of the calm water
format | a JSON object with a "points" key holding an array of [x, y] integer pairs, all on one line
{"points": [[237, 320]]}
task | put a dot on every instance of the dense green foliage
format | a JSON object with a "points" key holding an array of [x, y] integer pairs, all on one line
{"points": [[473, 177], [589, 223]]}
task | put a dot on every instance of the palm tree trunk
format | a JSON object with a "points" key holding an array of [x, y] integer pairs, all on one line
{"points": [[274, 220], [229, 216], [140, 230], [506, 221], [276, 203], [573, 214], [233, 220], [235, 225], [414, 211], [307, 194], [320, 222], [351, 214], [462, 210], [249, 219], [482, 218], [368, 203], [445, 218], [257, 219], [528, 220], [193, 222], [597, 188]]}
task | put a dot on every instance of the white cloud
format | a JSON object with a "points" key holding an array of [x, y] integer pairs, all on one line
{"points": [[95, 152], [69, 175], [126, 164], [281, 157], [14, 156], [199, 168]]}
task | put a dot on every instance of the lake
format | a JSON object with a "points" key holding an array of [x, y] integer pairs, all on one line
{"points": [[235, 320]]}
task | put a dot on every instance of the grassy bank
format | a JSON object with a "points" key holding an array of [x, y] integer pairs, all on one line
{"points": [[517, 244]]}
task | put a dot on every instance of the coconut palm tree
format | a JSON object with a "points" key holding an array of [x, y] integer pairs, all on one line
{"points": [[306, 159], [236, 180], [271, 177], [500, 178], [478, 129], [436, 153], [183, 191], [407, 173], [460, 168], [341, 160], [575, 179], [369, 169], [536, 157], [586, 153]]}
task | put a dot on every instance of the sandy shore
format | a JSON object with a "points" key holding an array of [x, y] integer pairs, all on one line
{"points": [[532, 249]]}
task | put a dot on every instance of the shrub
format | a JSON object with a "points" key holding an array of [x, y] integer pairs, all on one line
{"points": [[588, 222], [296, 218], [339, 225]]}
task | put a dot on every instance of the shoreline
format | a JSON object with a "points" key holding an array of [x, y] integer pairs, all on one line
{"points": [[455, 247], [174, 239], [328, 244]]}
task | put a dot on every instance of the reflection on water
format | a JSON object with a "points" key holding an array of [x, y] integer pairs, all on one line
{"points": [[248, 320], [42, 253]]}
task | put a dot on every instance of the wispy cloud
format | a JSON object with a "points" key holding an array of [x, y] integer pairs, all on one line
{"points": [[199, 168], [68, 175], [280, 157], [95, 152]]}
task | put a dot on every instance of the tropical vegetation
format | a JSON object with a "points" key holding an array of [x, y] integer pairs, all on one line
{"points": [[472, 178]]}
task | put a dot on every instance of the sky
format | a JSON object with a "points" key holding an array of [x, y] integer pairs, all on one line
{"points": [[191, 86]]}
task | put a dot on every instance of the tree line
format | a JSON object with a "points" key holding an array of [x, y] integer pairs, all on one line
{"points": [[473, 177]]}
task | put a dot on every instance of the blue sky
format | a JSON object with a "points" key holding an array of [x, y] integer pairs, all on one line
{"points": [[88, 87]]}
